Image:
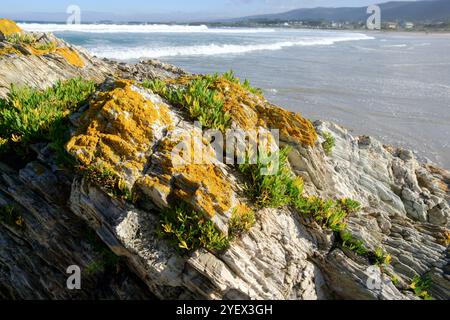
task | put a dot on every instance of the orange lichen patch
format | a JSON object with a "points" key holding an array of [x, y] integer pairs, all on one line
{"points": [[159, 183], [117, 130], [9, 27], [444, 237], [67, 53], [71, 56], [249, 111], [8, 50], [290, 124], [40, 49], [205, 185], [241, 210], [442, 177], [157, 188], [239, 103], [29, 47], [35, 50], [187, 148], [183, 79], [168, 145]]}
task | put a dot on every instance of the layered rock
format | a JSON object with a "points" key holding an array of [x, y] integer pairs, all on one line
{"points": [[39, 60], [281, 240], [34, 260], [132, 132], [379, 177]]}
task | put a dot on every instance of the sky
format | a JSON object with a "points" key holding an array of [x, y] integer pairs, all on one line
{"points": [[165, 9]]}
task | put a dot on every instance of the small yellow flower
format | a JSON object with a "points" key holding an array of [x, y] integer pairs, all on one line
{"points": [[168, 228], [16, 138], [388, 259], [16, 103], [122, 185], [3, 142], [20, 222], [183, 245]]}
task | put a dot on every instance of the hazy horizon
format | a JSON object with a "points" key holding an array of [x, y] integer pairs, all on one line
{"points": [[167, 11]]}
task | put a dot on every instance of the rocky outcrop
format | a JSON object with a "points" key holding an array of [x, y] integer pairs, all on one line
{"points": [[285, 256], [406, 204], [64, 218], [34, 260], [40, 60], [43, 59]]}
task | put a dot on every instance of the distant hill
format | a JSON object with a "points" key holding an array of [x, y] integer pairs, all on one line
{"points": [[416, 11]]}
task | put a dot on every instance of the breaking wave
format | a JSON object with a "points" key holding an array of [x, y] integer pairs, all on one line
{"points": [[215, 49], [138, 28]]}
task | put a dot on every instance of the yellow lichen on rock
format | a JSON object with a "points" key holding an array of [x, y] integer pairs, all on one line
{"points": [[207, 185], [250, 111], [33, 47], [176, 176], [159, 183], [8, 50], [71, 56], [40, 51], [239, 103], [444, 237], [67, 53], [9, 27], [294, 126], [203, 185], [117, 131]]}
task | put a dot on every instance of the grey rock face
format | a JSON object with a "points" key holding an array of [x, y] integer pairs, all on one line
{"points": [[33, 261], [362, 168], [145, 70], [405, 204], [274, 268]]}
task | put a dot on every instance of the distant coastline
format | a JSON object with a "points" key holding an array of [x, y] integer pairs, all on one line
{"points": [[397, 26], [356, 27]]}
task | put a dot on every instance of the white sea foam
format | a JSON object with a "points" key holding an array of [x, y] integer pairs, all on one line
{"points": [[395, 46], [138, 28], [216, 49]]}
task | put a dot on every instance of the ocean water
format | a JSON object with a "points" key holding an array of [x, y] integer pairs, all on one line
{"points": [[393, 86]]}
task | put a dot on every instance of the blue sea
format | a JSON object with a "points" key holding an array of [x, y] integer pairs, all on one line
{"points": [[393, 86]]}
